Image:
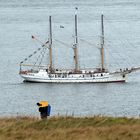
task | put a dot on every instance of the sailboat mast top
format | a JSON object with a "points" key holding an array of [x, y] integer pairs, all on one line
{"points": [[50, 30], [50, 43], [102, 20], [76, 37]]}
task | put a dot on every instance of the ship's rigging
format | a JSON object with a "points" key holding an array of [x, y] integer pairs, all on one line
{"points": [[49, 73], [47, 47]]}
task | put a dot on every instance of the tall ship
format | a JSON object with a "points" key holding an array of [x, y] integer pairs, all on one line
{"points": [[50, 74]]}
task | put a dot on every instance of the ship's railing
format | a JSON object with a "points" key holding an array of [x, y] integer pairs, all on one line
{"points": [[62, 70], [44, 66], [28, 71], [30, 65], [127, 70]]}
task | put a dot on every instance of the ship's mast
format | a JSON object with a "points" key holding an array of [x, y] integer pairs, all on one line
{"points": [[102, 43], [75, 46], [50, 44]]}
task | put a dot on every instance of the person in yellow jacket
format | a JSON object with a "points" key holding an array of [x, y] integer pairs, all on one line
{"points": [[43, 109]]}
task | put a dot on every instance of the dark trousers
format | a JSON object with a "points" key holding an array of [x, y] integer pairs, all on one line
{"points": [[43, 115], [43, 112]]}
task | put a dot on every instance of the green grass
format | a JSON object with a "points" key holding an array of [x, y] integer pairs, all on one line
{"points": [[70, 128]]}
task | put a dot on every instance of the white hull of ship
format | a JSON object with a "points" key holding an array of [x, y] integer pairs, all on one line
{"points": [[109, 78]]}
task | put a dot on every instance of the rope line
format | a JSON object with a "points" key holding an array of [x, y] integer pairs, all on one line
{"points": [[30, 56]]}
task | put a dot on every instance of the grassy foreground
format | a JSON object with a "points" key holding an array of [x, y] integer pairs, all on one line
{"points": [[70, 128]]}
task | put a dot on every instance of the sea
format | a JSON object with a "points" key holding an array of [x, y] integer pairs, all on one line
{"points": [[19, 20]]}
